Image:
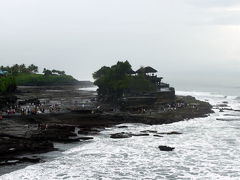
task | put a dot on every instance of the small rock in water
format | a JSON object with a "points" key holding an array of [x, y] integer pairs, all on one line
{"points": [[85, 138], [148, 131], [145, 134], [121, 135], [122, 126], [222, 105], [166, 148], [171, 133], [157, 135]]}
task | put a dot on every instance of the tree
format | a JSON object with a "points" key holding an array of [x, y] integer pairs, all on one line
{"points": [[115, 81], [32, 68], [23, 69], [47, 72], [15, 69]]}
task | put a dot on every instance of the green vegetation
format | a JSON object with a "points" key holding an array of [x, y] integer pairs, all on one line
{"points": [[115, 81], [44, 80], [7, 84], [16, 69], [28, 76]]}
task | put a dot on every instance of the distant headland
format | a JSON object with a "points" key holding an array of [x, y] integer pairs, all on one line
{"points": [[22, 75]]}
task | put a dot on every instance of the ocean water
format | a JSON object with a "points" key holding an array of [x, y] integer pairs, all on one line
{"points": [[208, 148]]}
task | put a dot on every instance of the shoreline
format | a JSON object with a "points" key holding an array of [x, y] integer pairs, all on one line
{"points": [[18, 139]]}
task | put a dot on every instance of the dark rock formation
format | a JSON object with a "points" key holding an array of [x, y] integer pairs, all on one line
{"points": [[88, 131], [85, 138], [157, 135], [148, 131], [122, 126], [142, 134], [166, 148], [13, 161], [16, 145], [121, 135], [171, 133]]}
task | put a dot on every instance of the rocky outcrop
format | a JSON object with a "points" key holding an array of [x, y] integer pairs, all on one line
{"points": [[15, 145], [122, 127], [121, 135], [166, 148], [13, 161], [141, 134], [88, 131], [148, 131], [126, 135]]}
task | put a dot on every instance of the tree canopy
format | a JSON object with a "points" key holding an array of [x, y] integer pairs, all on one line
{"points": [[28, 76], [115, 81], [22, 68]]}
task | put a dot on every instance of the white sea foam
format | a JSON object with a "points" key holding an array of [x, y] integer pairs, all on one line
{"points": [[207, 149], [93, 88]]}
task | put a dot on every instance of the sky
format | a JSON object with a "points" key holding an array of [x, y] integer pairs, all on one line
{"points": [[190, 42]]}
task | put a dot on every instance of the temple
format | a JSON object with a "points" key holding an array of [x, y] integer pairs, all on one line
{"points": [[163, 93]]}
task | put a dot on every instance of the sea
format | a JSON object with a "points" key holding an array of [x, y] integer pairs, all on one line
{"points": [[208, 148]]}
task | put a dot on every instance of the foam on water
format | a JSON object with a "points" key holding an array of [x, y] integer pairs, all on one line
{"points": [[93, 88], [207, 149]]}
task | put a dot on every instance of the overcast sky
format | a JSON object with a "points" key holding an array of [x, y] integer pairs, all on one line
{"points": [[188, 41]]}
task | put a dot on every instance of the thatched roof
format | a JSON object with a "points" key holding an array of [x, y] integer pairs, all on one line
{"points": [[145, 70]]}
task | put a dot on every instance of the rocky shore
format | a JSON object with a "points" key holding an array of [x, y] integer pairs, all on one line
{"points": [[37, 133]]}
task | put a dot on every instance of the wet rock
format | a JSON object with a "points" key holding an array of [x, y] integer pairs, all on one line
{"points": [[122, 126], [13, 161], [228, 109], [56, 133], [61, 127], [15, 145], [88, 131], [171, 133], [53, 135], [222, 105], [85, 138], [166, 148], [121, 135], [143, 134], [155, 135], [148, 131]]}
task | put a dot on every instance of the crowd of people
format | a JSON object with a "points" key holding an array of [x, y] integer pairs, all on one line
{"points": [[30, 109]]}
